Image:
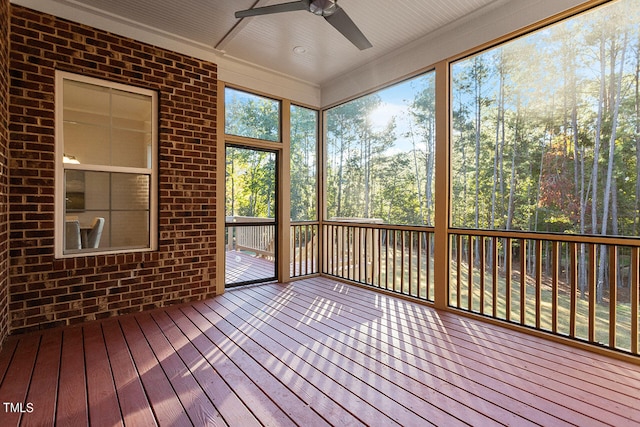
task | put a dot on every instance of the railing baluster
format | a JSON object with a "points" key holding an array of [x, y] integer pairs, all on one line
{"points": [[613, 294], [386, 259], [346, 242], [508, 272], [310, 246], [325, 248], [378, 263], [458, 270], [364, 261], [470, 273], [419, 269], [482, 256], [573, 311], [362, 238], [402, 255], [523, 281], [300, 246], [634, 286], [334, 249], [308, 240], [538, 267], [356, 253], [394, 281], [411, 263], [496, 273], [341, 244], [592, 292], [367, 276], [362, 255], [427, 271], [300, 255], [554, 284]]}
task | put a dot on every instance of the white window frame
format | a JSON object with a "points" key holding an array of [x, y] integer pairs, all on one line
{"points": [[60, 168]]}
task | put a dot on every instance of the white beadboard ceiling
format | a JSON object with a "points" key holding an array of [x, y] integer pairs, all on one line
{"points": [[257, 52], [268, 41]]}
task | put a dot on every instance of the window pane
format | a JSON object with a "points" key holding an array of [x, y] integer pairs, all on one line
{"points": [[104, 126], [251, 115], [129, 191], [86, 142], [381, 156], [130, 229], [544, 131], [304, 172], [131, 148], [121, 200], [251, 183], [89, 101], [131, 111], [131, 133]]}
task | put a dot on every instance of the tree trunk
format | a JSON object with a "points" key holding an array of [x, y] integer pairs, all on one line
{"points": [[609, 186], [597, 139], [636, 220]]}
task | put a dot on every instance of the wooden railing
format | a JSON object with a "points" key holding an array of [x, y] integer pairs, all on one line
{"points": [[304, 243], [582, 287], [577, 286], [259, 239], [397, 259]]}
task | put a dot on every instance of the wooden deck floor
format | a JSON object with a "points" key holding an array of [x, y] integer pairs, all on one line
{"points": [[311, 353], [242, 267]]}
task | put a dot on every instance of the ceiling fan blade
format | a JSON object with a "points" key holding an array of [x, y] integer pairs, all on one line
{"points": [[341, 22], [276, 8]]}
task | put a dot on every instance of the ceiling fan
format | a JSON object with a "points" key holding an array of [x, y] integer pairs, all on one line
{"points": [[328, 9]]}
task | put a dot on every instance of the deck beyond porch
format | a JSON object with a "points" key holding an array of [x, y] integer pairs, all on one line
{"points": [[313, 352]]}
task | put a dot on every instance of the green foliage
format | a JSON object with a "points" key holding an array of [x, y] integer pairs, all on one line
{"points": [[250, 183], [377, 170], [533, 124], [251, 116], [304, 142]]}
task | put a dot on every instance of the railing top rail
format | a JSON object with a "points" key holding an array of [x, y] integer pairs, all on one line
{"points": [[380, 226], [240, 219], [358, 220], [532, 235]]}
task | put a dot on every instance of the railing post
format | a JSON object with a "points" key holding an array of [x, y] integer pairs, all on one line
{"points": [[441, 253]]}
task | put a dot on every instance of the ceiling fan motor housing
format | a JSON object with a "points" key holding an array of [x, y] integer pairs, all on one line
{"points": [[323, 7]]}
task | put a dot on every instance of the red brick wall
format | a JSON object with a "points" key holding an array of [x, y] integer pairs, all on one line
{"points": [[4, 183], [46, 292]]}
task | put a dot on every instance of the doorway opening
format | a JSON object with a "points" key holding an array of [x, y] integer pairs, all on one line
{"points": [[251, 244]]}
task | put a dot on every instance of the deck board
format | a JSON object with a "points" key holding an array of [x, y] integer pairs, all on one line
{"points": [[252, 359], [44, 386], [72, 404], [162, 397], [197, 404], [243, 386], [17, 381], [557, 391], [274, 352], [405, 370], [135, 407], [104, 406], [312, 352], [223, 398]]}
